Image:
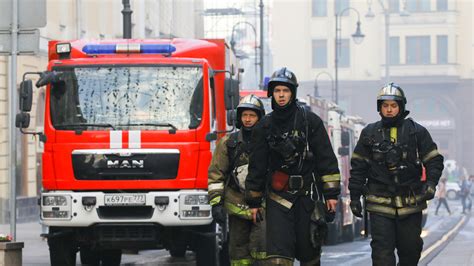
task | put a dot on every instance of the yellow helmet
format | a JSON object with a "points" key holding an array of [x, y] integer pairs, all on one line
{"points": [[249, 102], [391, 92]]}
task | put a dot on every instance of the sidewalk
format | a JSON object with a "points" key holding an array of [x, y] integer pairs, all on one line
{"points": [[460, 251]]}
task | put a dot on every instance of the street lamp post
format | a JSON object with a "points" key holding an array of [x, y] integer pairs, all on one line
{"points": [[358, 37], [316, 92], [233, 42]]}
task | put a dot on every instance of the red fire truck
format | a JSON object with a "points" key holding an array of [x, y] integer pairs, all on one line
{"points": [[344, 132], [128, 133]]}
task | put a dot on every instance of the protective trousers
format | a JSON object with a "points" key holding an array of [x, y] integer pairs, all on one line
{"points": [[246, 241], [400, 233], [288, 233]]}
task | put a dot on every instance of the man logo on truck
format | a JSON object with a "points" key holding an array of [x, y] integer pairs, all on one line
{"points": [[125, 164]]}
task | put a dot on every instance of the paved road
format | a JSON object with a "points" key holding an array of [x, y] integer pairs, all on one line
{"points": [[453, 249]]}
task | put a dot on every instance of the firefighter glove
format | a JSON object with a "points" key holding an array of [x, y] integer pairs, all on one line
{"points": [[219, 214], [429, 190], [356, 208]]}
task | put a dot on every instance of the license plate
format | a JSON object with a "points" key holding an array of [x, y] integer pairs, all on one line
{"points": [[126, 199]]}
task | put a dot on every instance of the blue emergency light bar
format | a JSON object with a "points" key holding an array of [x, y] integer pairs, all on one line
{"points": [[143, 48]]}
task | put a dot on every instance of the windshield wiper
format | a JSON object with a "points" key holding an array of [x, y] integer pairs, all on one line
{"points": [[171, 131], [81, 125]]}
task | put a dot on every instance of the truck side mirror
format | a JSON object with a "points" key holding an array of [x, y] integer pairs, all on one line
{"points": [[22, 120], [26, 95], [48, 77], [231, 93], [211, 136], [231, 117], [345, 138]]}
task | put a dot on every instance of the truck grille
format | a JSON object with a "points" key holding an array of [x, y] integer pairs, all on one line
{"points": [[136, 166]]}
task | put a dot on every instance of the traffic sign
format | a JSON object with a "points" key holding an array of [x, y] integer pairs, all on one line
{"points": [[28, 42], [31, 14]]}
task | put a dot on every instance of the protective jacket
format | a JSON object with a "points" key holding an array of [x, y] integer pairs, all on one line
{"points": [[228, 170], [387, 166], [294, 143]]}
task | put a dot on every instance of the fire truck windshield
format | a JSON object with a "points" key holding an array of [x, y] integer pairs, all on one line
{"points": [[123, 97]]}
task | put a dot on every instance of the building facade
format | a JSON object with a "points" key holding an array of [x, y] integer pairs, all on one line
{"points": [[431, 56], [79, 19]]}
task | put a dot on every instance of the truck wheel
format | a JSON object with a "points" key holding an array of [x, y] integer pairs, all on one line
{"points": [[62, 249], [210, 250], [111, 257], [89, 256], [178, 243], [177, 251]]}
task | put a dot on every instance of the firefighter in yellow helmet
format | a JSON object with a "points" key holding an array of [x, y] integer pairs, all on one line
{"points": [[227, 173], [387, 167]]}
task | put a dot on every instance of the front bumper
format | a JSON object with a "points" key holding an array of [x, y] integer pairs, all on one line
{"points": [[175, 213]]}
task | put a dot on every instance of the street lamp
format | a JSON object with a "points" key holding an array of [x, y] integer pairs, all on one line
{"points": [[316, 92], [386, 12], [358, 37], [233, 43]]}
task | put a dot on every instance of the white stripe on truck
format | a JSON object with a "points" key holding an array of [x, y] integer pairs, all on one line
{"points": [[134, 139], [116, 139]]}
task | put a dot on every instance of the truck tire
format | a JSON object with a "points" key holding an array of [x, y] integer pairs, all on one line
{"points": [[211, 250], [177, 251], [62, 248], [177, 243], [207, 253], [111, 257], [89, 256]]}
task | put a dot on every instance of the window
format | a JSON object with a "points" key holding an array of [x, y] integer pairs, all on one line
{"points": [[418, 5], [340, 5], [418, 50], [442, 5], [344, 53], [394, 51], [442, 49], [320, 52], [125, 97], [393, 6], [319, 8]]}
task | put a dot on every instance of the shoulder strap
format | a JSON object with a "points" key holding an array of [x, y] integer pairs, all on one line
{"points": [[306, 126], [232, 143], [415, 126]]}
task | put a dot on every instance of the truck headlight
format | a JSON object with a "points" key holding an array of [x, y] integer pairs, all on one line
{"points": [[196, 199], [54, 201]]}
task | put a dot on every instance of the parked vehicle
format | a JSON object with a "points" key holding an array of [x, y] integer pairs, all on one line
{"points": [[343, 131], [452, 190], [129, 129]]}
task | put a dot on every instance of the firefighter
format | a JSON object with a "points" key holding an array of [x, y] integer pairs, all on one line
{"points": [[293, 155], [227, 173], [387, 167]]}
